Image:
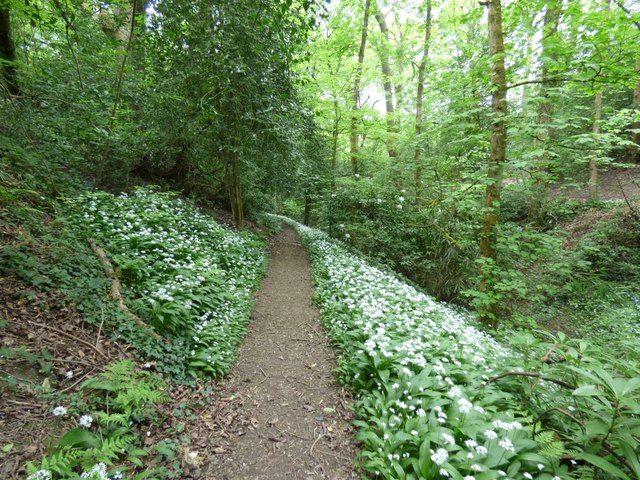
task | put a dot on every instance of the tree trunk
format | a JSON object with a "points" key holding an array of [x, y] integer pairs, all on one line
{"points": [[491, 216], [597, 117], [593, 159], [387, 85], [8, 53], [545, 109], [118, 96], [238, 203], [307, 209], [634, 156], [419, 102], [355, 105], [334, 144]]}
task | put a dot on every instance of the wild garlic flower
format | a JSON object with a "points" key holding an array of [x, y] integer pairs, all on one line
{"points": [[440, 456], [59, 411], [40, 475], [85, 421]]}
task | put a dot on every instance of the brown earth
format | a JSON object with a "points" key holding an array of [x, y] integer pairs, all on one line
{"points": [[280, 413], [45, 325], [614, 184]]}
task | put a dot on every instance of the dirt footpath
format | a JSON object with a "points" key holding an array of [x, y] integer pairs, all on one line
{"points": [[281, 413]]}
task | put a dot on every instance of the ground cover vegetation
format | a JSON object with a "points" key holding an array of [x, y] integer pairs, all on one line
{"points": [[439, 398], [486, 151], [177, 291]]}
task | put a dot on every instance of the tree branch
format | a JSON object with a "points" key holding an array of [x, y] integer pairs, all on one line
{"points": [[532, 375], [628, 12]]}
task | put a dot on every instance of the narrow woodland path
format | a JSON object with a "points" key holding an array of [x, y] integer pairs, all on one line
{"points": [[281, 413]]}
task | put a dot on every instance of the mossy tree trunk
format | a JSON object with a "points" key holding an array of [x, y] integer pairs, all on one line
{"points": [[491, 216]]}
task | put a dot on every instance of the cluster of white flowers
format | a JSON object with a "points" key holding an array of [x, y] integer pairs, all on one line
{"points": [[97, 472], [188, 267], [59, 411], [40, 475], [429, 342], [85, 421]]}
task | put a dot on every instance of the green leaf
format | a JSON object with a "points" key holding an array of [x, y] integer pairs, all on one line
{"points": [[79, 437], [587, 391], [603, 465]]}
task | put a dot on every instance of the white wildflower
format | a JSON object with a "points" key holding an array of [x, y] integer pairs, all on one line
{"points": [[481, 450], [98, 471], [454, 392], [85, 421], [507, 444], [464, 405], [448, 439], [59, 411], [440, 456], [40, 475]]}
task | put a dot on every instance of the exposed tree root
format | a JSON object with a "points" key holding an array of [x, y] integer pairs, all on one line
{"points": [[116, 288]]}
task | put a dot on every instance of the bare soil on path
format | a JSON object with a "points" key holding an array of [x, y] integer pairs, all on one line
{"points": [[281, 414]]}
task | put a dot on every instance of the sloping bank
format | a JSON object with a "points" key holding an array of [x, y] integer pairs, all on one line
{"points": [[419, 369], [190, 278]]}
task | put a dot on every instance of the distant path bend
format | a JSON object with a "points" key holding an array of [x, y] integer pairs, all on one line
{"points": [[285, 415]]}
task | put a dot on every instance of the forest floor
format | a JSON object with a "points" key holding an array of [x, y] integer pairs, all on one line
{"points": [[278, 415], [615, 184], [286, 418]]}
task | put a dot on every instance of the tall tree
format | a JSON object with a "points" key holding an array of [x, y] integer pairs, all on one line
{"points": [[597, 118], [548, 59], [419, 102], [491, 216], [634, 156], [389, 97], [355, 98], [7, 51]]}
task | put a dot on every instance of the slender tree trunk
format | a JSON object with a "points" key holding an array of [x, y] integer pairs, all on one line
{"points": [[355, 99], [63, 11], [524, 91], [387, 85], [634, 155], [334, 144], [545, 109], [238, 202], [593, 159], [419, 103], [8, 53], [488, 241], [118, 96], [307, 209], [597, 117]]}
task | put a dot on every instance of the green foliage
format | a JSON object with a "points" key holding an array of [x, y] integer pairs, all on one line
{"points": [[130, 391], [593, 413], [120, 399], [187, 276]]}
